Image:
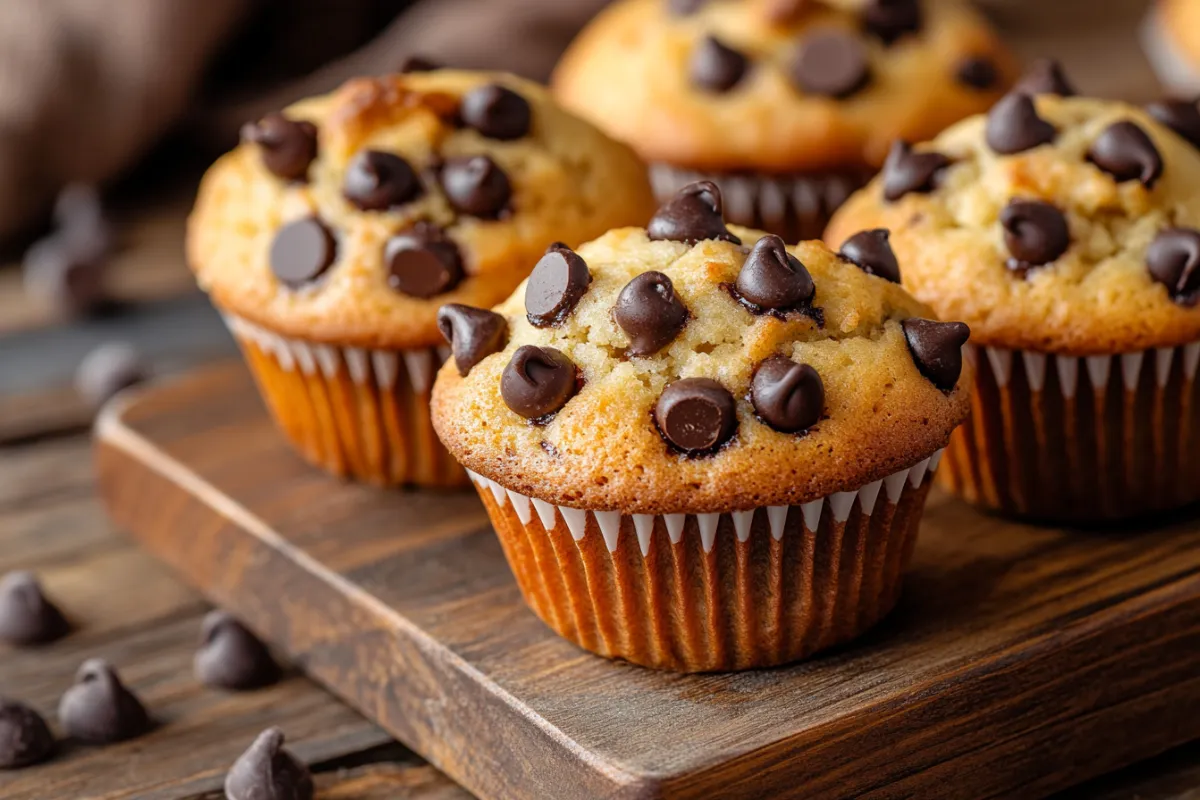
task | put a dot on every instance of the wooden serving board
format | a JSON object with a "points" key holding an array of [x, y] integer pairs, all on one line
{"points": [[1020, 661]]}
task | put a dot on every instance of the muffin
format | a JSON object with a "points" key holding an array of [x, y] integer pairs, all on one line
{"points": [[701, 450], [1066, 232], [787, 105], [329, 238], [1171, 41]]}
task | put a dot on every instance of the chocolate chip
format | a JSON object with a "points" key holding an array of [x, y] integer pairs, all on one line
{"points": [[496, 112], [476, 185], [27, 616], [473, 333], [25, 738], [890, 19], [558, 280], [302, 251], [538, 381], [231, 657], [936, 349], [70, 279], [872, 251], [696, 415], [1124, 151], [906, 171], [422, 261], [1180, 116], [977, 72], [268, 771], [109, 369], [376, 180], [1036, 233], [287, 146], [1013, 125], [1173, 259], [99, 709], [1045, 76], [650, 312], [715, 67], [417, 64], [692, 215], [787, 396], [683, 8], [771, 277], [831, 63]]}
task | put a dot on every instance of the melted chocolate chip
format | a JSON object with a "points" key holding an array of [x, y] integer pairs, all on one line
{"points": [[936, 349], [268, 771], [231, 657], [831, 63], [773, 278], [1124, 151], [302, 251], [422, 261], [977, 72], [376, 180], [871, 251], [99, 709], [27, 616], [1036, 233], [496, 112], [683, 8], [1045, 76], [1180, 116], [25, 738], [692, 215], [476, 185], [787, 396], [554, 287], [288, 146], [417, 64], [888, 20], [1173, 260], [538, 381], [696, 415], [716, 67], [906, 170], [1013, 125], [650, 312], [473, 333]]}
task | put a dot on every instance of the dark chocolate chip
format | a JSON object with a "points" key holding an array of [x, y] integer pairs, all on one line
{"points": [[473, 333], [231, 657], [977, 72], [683, 8], [1126, 152], [1180, 116], [476, 185], [888, 20], [66, 276], [25, 738], [99, 709], [556, 246], [787, 396], [1173, 260], [650, 312], [696, 415], [831, 63], [377, 180], [872, 251], [110, 368], [302, 251], [558, 280], [1036, 233], [692, 215], [417, 64], [716, 67], [1045, 76], [936, 349], [771, 277], [268, 771], [422, 261], [27, 616], [496, 112], [538, 381], [1013, 125], [906, 170], [288, 146]]}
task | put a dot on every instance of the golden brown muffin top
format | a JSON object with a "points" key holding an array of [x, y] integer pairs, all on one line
{"points": [[1180, 20], [351, 217]]}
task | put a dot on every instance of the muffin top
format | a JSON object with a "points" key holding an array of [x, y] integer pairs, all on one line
{"points": [[1180, 19], [349, 218], [1054, 224], [693, 367], [780, 85]]}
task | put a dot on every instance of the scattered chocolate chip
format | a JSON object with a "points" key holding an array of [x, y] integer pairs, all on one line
{"points": [[417, 64], [27, 616], [696, 415], [682, 8], [302, 251], [1173, 260], [476, 185], [496, 112], [110, 368], [936, 349], [1013, 125], [1126, 152], [25, 738], [906, 170], [1180, 116], [558, 280], [287, 146], [888, 20], [1036, 233], [977, 72], [99, 709], [422, 261], [538, 381], [773, 278], [787, 396], [376, 180], [871, 251], [831, 63], [473, 333], [231, 657], [66, 277], [650, 312], [692, 215], [716, 67], [1045, 76], [268, 771]]}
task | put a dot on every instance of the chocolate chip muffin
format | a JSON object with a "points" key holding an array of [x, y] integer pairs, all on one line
{"points": [[702, 449], [1066, 232], [787, 105], [331, 236], [1171, 41]]}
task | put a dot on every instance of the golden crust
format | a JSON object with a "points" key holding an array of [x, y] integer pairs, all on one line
{"points": [[628, 73], [602, 450], [1181, 21], [570, 183]]}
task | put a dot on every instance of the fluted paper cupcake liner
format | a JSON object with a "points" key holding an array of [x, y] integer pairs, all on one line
{"points": [[356, 413], [1177, 73], [720, 591], [1079, 439]]}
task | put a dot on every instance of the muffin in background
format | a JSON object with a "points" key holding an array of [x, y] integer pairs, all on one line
{"points": [[1171, 41]]}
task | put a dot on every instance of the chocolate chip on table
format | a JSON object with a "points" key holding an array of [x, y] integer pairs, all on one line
{"points": [[831, 63], [287, 146], [473, 333], [555, 286], [476, 185], [1035, 233], [231, 657], [71, 279], [27, 616], [906, 170], [538, 381], [773, 278], [682, 8], [412, 64], [787, 396], [422, 261], [25, 739], [496, 112], [716, 67], [268, 771], [1013, 125], [693, 215], [872, 252], [936, 348], [301, 251], [977, 72], [1173, 260], [99, 709], [650, 312], [1181, 116], [109, 369], [1045, 76], [377, 180], [696, 415], [888, 20], [1126, 152]]}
